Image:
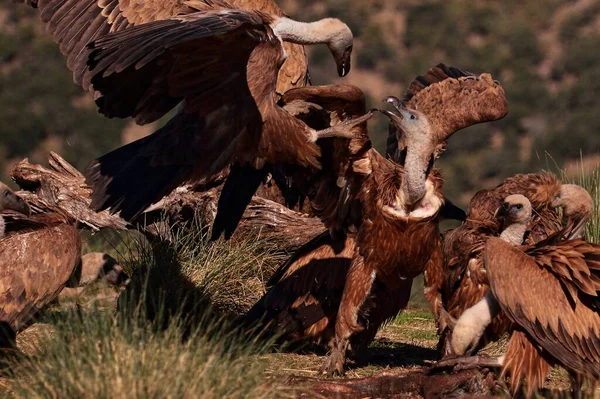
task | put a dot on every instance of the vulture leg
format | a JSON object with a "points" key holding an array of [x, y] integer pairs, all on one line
{"points": [[471, 325], [576, 385], [359, 282], [344, 129]]}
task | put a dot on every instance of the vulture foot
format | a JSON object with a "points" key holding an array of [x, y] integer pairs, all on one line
{"points": [[344, 129], [465, 363], [334, 364]]}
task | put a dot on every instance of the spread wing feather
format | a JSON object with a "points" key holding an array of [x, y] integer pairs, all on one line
{"points": [[75, 23], [551, 294]]}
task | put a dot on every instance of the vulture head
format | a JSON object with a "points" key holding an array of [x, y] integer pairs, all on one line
{"points": [[516, 208], [452, 100], [10, 200], [340, 43], [515, 213], [416, 130], [577, 205]]}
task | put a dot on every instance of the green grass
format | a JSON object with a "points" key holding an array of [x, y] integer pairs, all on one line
{"points": [[172, 336], [591, 182], [100, 355]]}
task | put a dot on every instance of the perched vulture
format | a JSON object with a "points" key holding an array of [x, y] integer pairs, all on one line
{"points": [[549, 292], [382, 216], [463, 280], [38, 256], [221, 60]]}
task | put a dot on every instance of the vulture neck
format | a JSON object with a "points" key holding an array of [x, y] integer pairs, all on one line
{"points": [[514, 233], [318, 32], [2, 227], [414, 181]]}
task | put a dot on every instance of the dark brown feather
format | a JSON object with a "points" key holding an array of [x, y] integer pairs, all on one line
{"points": [[531, 291], [38, 257]]}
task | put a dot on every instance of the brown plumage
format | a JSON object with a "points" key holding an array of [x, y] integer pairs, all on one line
{"points": [[39, 254], [463, 281], [220, 59], [550, 292], [382, 219], [454, 99], [75, 23]]}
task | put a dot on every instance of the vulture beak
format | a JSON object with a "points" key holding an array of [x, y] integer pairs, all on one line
{"points": [[501, 212], [10, 200], [396, 103], [395, 118]]}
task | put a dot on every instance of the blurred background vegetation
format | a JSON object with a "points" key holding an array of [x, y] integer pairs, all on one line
{"points": [[543, 52]]}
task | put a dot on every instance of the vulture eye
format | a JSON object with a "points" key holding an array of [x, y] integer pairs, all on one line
{"points": [[519, 206], [6, 193], [412, 116]]}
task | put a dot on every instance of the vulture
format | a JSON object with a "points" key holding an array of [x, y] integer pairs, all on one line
{"points": [[382, 216], [549, 293], [219, 62], [38, 256], [463, 280]]}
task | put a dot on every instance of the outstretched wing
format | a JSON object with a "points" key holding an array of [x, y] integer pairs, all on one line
{"points": [[34, 267], [452, 99], [74, 23], [550, 291], [148, 69]]}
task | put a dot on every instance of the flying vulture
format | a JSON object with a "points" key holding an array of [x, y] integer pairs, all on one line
{"points": [[463, 280], [549, 292], [222, 61], [39, 255], [382, 216]]}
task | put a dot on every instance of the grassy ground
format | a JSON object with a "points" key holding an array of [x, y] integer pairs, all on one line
{"points": [[149, 350]]}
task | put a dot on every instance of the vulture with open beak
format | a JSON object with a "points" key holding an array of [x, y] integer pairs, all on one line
{"points": [[463, 280], [382, 216], [221, 61], [548, 291], [38, 256]]}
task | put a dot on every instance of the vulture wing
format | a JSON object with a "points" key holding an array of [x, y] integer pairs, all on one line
{"points": [[346, 163], [452, 100], [75, 23], [36, 264], [305, 293], [202, 58], [551, 293]]}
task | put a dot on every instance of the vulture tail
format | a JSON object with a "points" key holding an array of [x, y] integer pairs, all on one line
{"points": [[240, 186], [130, 179]]}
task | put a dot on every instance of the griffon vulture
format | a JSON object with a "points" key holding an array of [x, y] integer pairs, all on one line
{"points": [[463, 280], [220, 60], [38, 256], [549, 292], [382, 217], [75, 23]]}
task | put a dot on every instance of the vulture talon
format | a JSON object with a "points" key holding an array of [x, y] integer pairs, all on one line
{"points": [[345, 129], [333, 365]]}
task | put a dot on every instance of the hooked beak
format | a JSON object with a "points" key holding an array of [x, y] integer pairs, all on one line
{"points": [[12, 201], [501, 212], [343, 69], [396, 118]]}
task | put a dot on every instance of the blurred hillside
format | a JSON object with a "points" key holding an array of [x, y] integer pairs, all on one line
{"points": [[544, 53]]}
